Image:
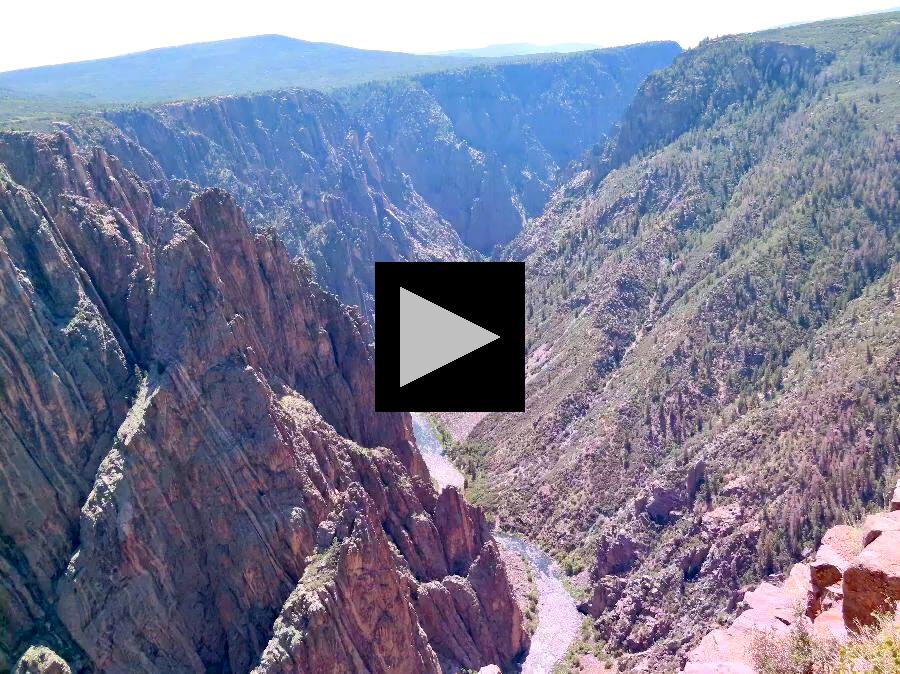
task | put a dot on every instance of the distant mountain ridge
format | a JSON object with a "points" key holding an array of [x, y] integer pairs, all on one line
{"points": [[520, 49], [235, 66], [239, 65]]}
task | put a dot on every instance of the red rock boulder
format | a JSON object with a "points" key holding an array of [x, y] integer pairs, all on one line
{"points": [[872, 582]]}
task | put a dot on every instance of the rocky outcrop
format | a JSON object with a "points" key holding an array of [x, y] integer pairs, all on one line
{"points": [[41, 660], [871, 584], [192, 467], [844, 587]]}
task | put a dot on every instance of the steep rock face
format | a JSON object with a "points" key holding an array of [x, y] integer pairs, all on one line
{"points": [[188, 432], [295, 161], [65, 389], [710, 302], [426, 168], [486, 146]]}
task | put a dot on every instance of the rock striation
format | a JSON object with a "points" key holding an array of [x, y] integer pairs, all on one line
{"points": [[193, 477]]}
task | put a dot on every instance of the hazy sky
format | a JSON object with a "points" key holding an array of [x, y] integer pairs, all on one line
{"points": [[38, 32]]}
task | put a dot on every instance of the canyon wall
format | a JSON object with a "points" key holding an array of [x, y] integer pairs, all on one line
{"points": [[438, 167], [712, 334], [192, 470]]}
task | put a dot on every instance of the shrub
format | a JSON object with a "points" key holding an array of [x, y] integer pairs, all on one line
{"points": [[874, 650]]}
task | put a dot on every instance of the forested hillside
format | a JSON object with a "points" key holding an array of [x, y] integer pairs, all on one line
{"points": [[713, 332]]}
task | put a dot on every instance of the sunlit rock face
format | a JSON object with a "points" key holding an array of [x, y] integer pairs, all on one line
{"points": [[190, 451]]}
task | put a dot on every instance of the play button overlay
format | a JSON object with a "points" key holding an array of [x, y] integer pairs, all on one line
{"points": [[431, 337], [450, 336]]}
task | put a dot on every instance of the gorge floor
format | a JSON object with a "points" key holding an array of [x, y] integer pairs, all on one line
{"points": [[558, 617]]}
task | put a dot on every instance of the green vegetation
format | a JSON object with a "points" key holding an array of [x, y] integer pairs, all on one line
{"points": [[578, 592], [798, 652], [531, 610], [471, 459], [586, 644], [874, 650], [758, 227], [320, 569], [440, 430]]}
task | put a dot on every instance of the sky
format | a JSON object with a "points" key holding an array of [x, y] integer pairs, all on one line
{"points": [[41, 32]]}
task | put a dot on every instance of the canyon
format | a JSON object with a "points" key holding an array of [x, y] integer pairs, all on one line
{"points": [[442, 166], [192, 474]]}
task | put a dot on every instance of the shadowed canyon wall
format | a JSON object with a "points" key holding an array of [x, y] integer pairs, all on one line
{"points": [[438, 167]]}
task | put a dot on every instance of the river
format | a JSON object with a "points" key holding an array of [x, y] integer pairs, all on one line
{"points": [[558, 618]]}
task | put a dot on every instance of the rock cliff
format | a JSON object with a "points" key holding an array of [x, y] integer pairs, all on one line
{"points": [[444, 166], [193, 477]]}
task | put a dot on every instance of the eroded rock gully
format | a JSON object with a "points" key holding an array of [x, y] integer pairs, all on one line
{"points": [[192, 476]]}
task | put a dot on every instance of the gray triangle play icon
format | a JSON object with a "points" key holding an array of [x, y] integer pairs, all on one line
{"points": [[431, 337]]}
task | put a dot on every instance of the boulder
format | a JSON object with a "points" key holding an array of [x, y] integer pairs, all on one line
{"points": [[895, 499], [769, 604], [830, 623], [872, 582], [325, 534], [41, 660], [661, 502], [839, 547], [800, 588], [878, 523]]}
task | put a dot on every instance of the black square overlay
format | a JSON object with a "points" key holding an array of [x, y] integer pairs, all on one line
{"points": [[489, 379]]}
